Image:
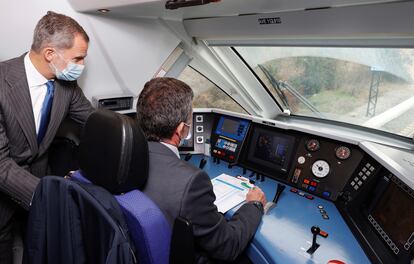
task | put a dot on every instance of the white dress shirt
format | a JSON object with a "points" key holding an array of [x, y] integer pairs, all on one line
{"points": [[172, 148], [37, 88]]}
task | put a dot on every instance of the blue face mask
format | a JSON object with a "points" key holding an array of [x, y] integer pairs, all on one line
{"points": [[71, 73]]}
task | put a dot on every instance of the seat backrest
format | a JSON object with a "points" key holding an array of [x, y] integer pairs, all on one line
{"points": [[114, 154], [147, 225]]}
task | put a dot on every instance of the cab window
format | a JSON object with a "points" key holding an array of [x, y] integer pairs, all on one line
{"points": [[206, 93]]}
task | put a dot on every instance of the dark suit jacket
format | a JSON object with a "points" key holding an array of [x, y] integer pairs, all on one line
{"points": [[180, 189], [84, 225], [22, 160]]}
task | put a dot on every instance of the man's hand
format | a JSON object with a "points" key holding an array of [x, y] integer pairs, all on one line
{"points": [[256, 194]]}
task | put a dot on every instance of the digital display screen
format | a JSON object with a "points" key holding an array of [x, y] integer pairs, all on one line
{"points": [[395, 214], [230, 126], [270, 149], [233, 128]]}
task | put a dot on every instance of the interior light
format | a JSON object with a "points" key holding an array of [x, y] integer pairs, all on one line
{"points": [[174, 4], [104, 10]]}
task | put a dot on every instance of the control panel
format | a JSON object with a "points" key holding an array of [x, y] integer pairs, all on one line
{"points": [[375, 204], [381, 213], [228, 137], [323, 166]]}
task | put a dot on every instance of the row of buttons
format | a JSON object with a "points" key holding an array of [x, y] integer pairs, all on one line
{"points": [[307, 196], [323, 212], [308, 187], [224, 144], [222, 153], [240, 130], [311, 183], [363, 175], [313, 188]]}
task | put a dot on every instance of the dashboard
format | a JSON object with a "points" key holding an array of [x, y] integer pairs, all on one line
{"points": [[376, 204]]}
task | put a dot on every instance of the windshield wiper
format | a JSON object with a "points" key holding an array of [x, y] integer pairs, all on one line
{"points": [[275, 85], [278, 86]]}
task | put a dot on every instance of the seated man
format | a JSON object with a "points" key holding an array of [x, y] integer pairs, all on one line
{"points": [[164, 111]]}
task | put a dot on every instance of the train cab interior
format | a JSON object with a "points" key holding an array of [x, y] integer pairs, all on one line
{"points": [[312, 101]]}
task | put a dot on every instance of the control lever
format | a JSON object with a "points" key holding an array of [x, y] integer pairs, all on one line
{"points": [[270, 205], [188, 157], [315, 232], [202, 163]]}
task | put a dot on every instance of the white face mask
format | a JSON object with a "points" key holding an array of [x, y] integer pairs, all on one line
{"points": [[71, 73], [188, 137]]}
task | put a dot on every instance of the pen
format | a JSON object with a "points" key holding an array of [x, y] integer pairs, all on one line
{"points": [[245, 185]]}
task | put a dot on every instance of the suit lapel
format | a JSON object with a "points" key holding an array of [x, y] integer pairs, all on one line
{"points": [[57, 114], [21, 102]]}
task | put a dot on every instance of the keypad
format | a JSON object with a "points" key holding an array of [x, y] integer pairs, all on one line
{"points": [[362, 176]]}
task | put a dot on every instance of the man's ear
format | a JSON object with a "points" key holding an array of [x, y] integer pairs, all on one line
{"points": [[180, 129], [48, 54]]}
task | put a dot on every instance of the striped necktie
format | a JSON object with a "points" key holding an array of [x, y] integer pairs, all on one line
{"points": [[45, 112]]}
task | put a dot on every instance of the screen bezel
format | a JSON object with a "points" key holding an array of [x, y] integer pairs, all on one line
{"points": [[270, 171], [220, 124], [382, 187]]}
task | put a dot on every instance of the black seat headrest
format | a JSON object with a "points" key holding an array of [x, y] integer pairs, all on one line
{"points": [[113, 152]]}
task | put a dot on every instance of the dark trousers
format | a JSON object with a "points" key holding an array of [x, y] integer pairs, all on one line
{"points": [[6, 243], [11, 235]]}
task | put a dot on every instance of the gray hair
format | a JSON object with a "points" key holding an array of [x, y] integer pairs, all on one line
{"points": [[56, 30], [162, 105]]}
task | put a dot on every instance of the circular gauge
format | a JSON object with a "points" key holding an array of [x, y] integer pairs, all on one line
{"points": [[320, 168], [313, 145], [343, 153], [301, 160]]}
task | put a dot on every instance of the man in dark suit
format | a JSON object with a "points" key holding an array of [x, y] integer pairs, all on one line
{"points": [[164, 112], [37, 91]]}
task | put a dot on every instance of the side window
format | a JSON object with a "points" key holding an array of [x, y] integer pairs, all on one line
{"points": [[206, 93]]}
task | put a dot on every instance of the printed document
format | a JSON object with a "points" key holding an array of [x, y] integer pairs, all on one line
{"points": [[230, 191]]}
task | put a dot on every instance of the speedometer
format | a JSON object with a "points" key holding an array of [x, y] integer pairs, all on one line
{"points": [[320, 168], [343, 153], [313, 145]]}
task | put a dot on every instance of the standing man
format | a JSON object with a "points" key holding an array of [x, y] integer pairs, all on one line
{"points": [[164, 111], [37, 91]]}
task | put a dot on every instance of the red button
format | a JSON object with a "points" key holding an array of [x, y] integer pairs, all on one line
{"points": [[306, 181], [323, 234], [294, 190], [314, 184], [334, 261], [310, 197]]}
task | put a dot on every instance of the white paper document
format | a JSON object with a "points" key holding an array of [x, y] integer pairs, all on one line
{"points": [[230, 191]]}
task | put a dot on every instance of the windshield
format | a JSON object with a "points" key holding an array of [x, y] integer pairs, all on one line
{"points": [[372, 87]]}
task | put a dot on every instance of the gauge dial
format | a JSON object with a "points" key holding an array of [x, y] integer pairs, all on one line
{"points": [[320, 168], [343, 153], [313, 145]]}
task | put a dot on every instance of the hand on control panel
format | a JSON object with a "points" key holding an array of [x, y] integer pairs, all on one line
{"points": [[256, 194]]}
